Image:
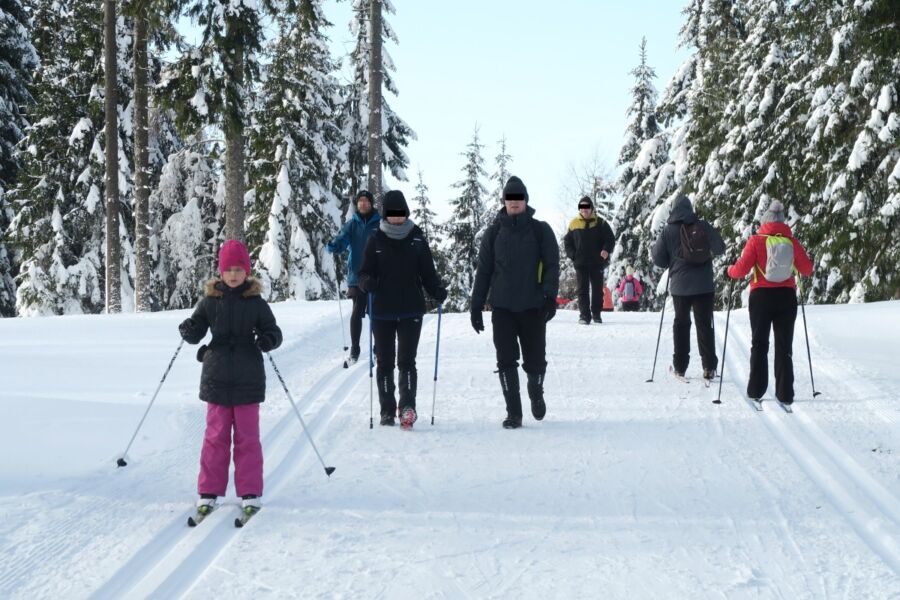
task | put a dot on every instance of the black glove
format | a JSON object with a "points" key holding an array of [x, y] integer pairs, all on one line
{"points": [[265, 342], [440, 295], [549, 308], [477, 321], [186, 328], [353, 291], [367, 285]]}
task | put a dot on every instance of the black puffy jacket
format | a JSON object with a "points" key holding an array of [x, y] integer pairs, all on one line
{"points": [[396, 271], [585, 240], [233, 369], [518, 264]]}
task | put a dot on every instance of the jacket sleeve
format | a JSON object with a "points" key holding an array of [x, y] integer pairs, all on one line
{"points": [[550, 258], [638, 288], [484, 272], [661, 256], [367, 277], [201, 323], [342, 241], [427, 273], [569, 243], [621, 288], [746, 262], [716, 243], [608, 237], [265, 324], [802, 262]]}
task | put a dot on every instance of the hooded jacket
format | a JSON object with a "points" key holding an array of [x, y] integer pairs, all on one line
{"points": [[585, 240], [518, 269], [354, 234], [685, 279], [233, 370], [754, 255]]}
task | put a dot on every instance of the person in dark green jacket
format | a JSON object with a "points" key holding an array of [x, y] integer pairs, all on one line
{"points": [[518, 275], [589, 242]]}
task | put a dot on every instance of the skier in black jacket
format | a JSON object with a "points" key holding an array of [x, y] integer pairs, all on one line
{"points": [[518, 275], [589, 242], [691, 285], [396, 266]]}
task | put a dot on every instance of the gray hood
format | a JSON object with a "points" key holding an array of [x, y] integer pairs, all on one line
{"points": [[682, 211]]}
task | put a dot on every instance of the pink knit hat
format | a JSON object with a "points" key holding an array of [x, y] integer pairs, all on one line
{"points": [[234, 254]]}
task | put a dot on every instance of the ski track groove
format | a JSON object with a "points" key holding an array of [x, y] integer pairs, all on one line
{"points": [[865, 504], [172, 546]]}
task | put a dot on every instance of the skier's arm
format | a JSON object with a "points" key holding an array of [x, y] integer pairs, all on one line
{"points": [[745, 263], [550, 258], [485, 269], [368, 272], [341, 242], [609, 238], [194, 329], [266, 326], [569, 244], [802, 262]]}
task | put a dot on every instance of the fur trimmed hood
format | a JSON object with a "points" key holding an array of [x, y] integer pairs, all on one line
{"points": [[215, 288]]}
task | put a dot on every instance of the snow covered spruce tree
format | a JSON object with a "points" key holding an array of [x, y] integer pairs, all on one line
{"points": [[20, 59], [425, 218], [494, 200], [850, 164], [464, 226], [208, 86], [297, 160], [396, 134], [58, 222], [643, 154]]}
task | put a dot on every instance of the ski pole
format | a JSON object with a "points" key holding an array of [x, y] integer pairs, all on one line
{"points": [[718, 399], [371, 365], [121, 461], [662, 313], [328, 470], [337, 289], [806, 335], [437, 351]]}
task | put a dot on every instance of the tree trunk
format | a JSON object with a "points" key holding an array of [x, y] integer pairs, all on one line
{"points": [[375, 134], [143, 294], [113, 250], [234, 143]]}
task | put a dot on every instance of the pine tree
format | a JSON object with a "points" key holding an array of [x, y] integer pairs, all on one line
{"points": [[297, 149], [58, 212], [498, 178], [643, 154], [425, 218], [464, 226], [19, 57], [396, 134]]}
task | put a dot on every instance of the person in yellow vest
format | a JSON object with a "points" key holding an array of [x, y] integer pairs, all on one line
{"points": [[588, 244]]}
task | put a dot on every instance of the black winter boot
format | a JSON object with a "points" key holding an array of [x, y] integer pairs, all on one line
{"points": [[408, 384], [509, 382], [536, 394], [386, 397]]}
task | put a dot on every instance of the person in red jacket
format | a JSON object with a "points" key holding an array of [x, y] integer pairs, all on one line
{"points": [[773, 303]]}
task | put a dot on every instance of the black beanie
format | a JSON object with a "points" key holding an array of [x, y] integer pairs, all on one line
{"points": [[514, 187], [363, 194], [394, 201], [586, 200]]}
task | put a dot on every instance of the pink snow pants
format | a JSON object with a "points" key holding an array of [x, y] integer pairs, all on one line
{"points": [[216, 453]]}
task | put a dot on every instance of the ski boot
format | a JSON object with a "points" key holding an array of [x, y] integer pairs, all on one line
{"points": [[536, 394], [407, 418], [205, 505], [250, 505], [509, 382], [386, 397]]}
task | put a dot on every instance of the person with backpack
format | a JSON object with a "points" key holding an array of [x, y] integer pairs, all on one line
{"points": [[518, 275], [354, 235], [589, 242], [233, 380], [396, 266], [774, 256], [630, 290], [686, 247]]}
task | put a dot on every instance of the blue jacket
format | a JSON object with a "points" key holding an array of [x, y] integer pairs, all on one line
{"points": [[355, 233]]}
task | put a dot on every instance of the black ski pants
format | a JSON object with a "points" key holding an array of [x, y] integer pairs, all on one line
{"points": [[631, 306], [702, 306], [772, 309], [590, 291], [360, 304], [526, 329], [396, 339]]}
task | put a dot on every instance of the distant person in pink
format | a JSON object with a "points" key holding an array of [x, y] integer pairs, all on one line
{"points": [[233, 381], [630, 290]]}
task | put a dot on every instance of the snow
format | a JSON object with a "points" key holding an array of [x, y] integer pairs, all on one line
{"points": [[83, 126], [637, 489]]}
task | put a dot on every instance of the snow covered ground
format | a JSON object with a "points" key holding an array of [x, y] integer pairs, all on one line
{"points": [[627, 489]]}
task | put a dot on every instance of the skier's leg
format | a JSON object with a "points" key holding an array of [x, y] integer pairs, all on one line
{"points": [[783, 326], [215, 456], [533, 336], [760, 325], [359, 309], [583, 279], [408, 332], [706, 337], [596, 274], [385, 333], [505, 331], [681, 333], [248, 455]]}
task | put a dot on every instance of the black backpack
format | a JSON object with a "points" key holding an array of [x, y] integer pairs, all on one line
{"points": [[695, 243]]}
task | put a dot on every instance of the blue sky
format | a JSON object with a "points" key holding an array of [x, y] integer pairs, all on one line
{"points": [[555, 81]]}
